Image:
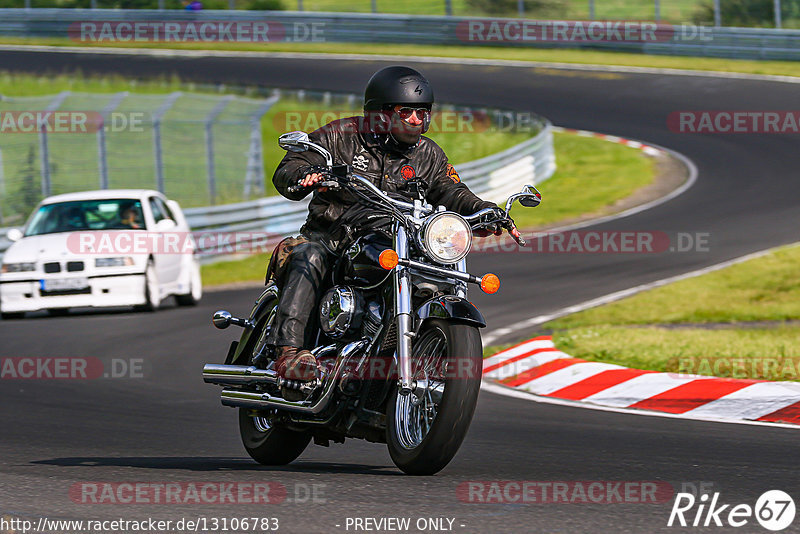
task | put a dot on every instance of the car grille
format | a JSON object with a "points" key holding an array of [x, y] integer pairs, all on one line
{"points": [[52, 267], [61, 292], [74, 266]]}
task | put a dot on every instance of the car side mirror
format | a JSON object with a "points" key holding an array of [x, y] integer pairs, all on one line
{"points": [[15, 234], [165, 224]]}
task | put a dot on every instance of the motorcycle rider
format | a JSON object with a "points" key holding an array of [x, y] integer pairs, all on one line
{"points": [[386, 146]]}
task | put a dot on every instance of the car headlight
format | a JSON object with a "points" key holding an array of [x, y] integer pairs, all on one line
{"points": [[18, 267], [121, 261], [446, 237]]}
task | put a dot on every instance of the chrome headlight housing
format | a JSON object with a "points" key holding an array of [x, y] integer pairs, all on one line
{"points": [[446, 237], [18, 267]]}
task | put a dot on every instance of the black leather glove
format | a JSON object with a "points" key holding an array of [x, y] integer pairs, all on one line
{"points": [[495, 228]]}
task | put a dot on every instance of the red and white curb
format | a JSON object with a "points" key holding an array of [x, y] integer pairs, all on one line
{"points": [[647, 149], [537, 366]]}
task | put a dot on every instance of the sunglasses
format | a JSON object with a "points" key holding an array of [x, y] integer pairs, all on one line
{"points": [[405, 113]]}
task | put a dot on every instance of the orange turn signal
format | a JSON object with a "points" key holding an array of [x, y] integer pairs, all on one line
{"points": [[388, 259], [490, 283]]}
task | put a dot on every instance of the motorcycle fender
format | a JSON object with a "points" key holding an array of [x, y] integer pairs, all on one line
{"points": [[450, 308], [260, 310]]}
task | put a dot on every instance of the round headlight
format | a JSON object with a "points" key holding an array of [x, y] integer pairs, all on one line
{"points": [[446, 237]]}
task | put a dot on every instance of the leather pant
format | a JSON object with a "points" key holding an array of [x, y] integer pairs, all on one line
{"points": [[302, 289]]}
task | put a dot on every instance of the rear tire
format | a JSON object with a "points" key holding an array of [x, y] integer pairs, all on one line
{"points": [[443, 435], [270, 445]]}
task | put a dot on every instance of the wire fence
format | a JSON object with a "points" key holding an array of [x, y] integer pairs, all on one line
{"points": [[199, 149]]}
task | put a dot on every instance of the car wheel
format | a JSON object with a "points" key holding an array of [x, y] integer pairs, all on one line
{"points": [[195, 289], [152, 294], [11, 315]]}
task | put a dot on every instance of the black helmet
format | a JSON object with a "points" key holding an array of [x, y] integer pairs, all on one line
{"points": [[391, 86], [397, 85]]}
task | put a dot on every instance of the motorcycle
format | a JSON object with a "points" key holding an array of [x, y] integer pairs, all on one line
{"points": [[397, 341]]}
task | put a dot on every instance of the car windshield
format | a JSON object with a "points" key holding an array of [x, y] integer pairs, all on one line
{"points": [[106, 214]]}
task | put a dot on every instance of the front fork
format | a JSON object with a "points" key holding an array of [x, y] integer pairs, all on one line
{"points": [[405, 331], [405, 328]]}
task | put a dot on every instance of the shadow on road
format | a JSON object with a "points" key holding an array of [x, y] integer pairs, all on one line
{"points": [[216, 464]]}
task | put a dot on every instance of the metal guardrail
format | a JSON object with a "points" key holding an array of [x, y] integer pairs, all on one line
{"points": [[494, 178], [299, 26]]}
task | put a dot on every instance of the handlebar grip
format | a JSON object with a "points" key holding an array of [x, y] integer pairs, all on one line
{"points": [[517, 237]]}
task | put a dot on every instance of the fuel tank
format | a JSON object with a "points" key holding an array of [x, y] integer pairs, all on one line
{"points": [[359, 265]]}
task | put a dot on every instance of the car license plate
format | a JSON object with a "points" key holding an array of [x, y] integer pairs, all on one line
{"points": [[62, 284]]}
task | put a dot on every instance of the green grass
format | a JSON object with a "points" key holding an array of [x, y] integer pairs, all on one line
{"points": [[634, 332], [780, 68], [250, 269], [592, 175], [761, 289]]}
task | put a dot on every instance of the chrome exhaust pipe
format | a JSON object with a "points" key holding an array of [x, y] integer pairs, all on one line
{"points": [[250, 399], [237, 375], [236, 398]]}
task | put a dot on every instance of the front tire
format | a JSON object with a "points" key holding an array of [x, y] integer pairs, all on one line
{"points": [[195, 289], [426, 428], [270, 445], [152, 291]]}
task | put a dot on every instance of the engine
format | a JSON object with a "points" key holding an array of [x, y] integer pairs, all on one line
{"points": [[345, 314]]}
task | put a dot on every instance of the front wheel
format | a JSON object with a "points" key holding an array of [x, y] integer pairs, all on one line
{"points": [[152, 291], [195, 288], [425, 428], [268, 444]]}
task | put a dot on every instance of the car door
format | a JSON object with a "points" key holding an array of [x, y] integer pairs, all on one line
{"points": [[167, 254]]}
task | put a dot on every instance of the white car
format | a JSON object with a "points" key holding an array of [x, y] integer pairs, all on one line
{"points": [[100, 248]]}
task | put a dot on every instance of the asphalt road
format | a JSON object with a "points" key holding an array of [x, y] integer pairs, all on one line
{"points": [[167, 426]]}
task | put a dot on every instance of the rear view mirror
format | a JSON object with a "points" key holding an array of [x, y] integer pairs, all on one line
{"points": [[294, 141], [15, 234], [299, 142], [529, 197]]}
